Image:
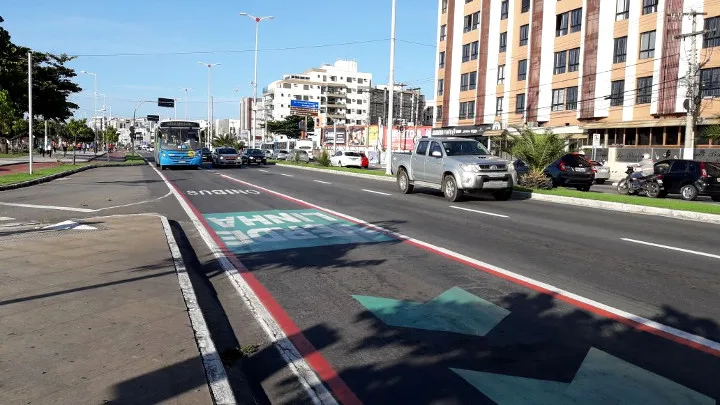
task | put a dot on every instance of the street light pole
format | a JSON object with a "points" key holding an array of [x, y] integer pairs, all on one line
{"points": [[95, 94], [254, 83], [390, 121], [185, 100], [208, 135], [30, 113]]}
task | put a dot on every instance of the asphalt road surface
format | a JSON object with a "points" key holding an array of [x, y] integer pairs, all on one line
{"points": [[410, 299]]}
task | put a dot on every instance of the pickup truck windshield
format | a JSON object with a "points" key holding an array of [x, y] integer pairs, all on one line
{"points": [[463, 148]]}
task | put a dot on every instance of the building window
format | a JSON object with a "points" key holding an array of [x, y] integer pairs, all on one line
{"points": [[501, 74], [471, 109], [464, 79], [520, 103], [467, 23], [463, 110], [620, 50], [711, 37], [522, 70], [444, 6], [440, 87], [560, 62], [622, 10], [443, 32], [647, 45], [571, 98], [474, 50], [503, 41], [472, 83], [576, 20], [442, 59], [525, 6], [499, 105], [561, 24], [504, 10], [574, 60], [524, 31], [438, 113], [617, 93], [558, 100], [475, 20], [466, 53], [710, 82], [644, 90], [650, 6]]}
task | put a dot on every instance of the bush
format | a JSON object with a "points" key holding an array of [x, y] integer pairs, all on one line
{"points": [[535, 180], [296, 157], [324, 159]]}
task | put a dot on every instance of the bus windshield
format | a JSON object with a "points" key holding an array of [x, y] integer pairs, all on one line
{"points": [[178, 138]]}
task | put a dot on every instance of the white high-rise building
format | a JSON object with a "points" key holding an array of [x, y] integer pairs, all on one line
{"points": [[342, 92]]}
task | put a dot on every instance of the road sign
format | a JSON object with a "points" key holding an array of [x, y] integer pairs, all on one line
{"points": [[304, 108], [155, 118], [596, 141], [166, 102]]}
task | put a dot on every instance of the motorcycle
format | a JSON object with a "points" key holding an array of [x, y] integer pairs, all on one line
{"points": [[648, 185]]}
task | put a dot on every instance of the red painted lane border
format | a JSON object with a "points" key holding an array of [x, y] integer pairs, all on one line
{"points": [[572, 301], [312, 356]]}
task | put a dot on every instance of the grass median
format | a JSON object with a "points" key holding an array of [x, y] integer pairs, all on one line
{"points": [[14, 178], [332, 168], [680, 205]]}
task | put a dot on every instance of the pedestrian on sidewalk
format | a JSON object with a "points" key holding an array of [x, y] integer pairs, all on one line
{"points": [[64, 148], [48, 149]]}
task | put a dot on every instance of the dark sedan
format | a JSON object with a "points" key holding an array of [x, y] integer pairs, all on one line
{"points": [[689, 178], [256, 156], [206, 154], [571, 170]]}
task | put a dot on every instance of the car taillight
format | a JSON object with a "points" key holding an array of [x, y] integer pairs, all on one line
{"points": [[660, 176], [703, 170], [561, 166]]}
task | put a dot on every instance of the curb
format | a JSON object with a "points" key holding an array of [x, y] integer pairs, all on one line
{"points": [[52, 177], [215, 374], [622, 207], [351, 174]]}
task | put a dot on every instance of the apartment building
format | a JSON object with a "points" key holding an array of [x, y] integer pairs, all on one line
{"points": [[611, 67], [343, 93], [408, 105]]}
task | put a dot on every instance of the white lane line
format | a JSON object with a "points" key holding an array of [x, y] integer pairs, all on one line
{"points": [[479, 212], [322, 182], [47, 207], [677, 249], [636, 321], [286, 175], [214, 369], [263, 170], [6, 219], [376, 192], [310, 381]]}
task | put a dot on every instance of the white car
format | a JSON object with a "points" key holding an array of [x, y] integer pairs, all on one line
{"points": [[346, 158]]}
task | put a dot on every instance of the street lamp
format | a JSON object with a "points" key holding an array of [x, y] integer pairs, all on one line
{"points": [[185, 99], [390, 121], [95, 94], [208, 136], [254, 82]]}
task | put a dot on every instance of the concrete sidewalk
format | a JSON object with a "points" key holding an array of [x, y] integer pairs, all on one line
{"points": [[80, 157], [95, 314]]}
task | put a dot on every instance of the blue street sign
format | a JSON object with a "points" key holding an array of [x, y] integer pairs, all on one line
{"points": [[312, 105]]}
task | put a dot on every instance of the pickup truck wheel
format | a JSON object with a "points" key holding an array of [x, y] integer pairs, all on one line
{"points": [[503, 195], [450, 189], [403, 181]]}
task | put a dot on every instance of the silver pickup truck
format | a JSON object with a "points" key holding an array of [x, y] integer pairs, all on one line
{"points": [[455, 166]]}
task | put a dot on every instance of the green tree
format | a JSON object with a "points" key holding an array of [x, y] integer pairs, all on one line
{"points": [[79, 131], [290, 126], [7, 117], [52, 80], [223, 140], [537, 150], [110, 135]]}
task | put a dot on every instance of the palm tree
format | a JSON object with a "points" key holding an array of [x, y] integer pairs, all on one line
{"points": [[537, 150], [223, 140]]}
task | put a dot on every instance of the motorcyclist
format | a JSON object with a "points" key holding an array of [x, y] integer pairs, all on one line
{"points": [[646, 167]]}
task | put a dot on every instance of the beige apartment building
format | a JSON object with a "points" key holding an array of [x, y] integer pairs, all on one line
{"points": [[611, 67]]}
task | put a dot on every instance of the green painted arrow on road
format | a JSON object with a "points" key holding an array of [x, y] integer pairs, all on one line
{"points": [[455, 310], [601, 379]]}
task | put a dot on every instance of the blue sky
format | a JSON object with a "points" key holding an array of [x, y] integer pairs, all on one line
{"points": [[92, 28]]}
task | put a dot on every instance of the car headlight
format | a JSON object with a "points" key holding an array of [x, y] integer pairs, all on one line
{"points": [[469, 168], [511, 167], [222, 158], [164, 154]]}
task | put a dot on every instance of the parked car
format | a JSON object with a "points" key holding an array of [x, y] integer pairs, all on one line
{"points": [[346, 158], [281, 155], [602, 172], [269, 153], [206, 154], [689, 178], [302, 155], [364, 162], [521, 168], [226, 157], [455, 166], [256, 156], [571, 170]]}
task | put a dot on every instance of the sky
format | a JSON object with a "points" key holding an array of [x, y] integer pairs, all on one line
{"points": [[142, 50]]}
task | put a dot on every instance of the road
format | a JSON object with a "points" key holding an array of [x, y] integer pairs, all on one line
{"points": [[397, 298], [608, 188]]}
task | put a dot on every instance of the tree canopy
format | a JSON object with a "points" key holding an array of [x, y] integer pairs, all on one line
{"points": [[80, 129], [290, 126]]}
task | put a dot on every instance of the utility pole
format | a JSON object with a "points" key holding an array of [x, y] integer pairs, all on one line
{"points": [[390, 120], [30, 113], [692, 82]]}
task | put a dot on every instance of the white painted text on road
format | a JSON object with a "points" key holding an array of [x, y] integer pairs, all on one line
{"points": [[222, 192]]}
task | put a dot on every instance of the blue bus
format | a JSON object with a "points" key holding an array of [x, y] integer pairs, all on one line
{"points": [[177, 143]]}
